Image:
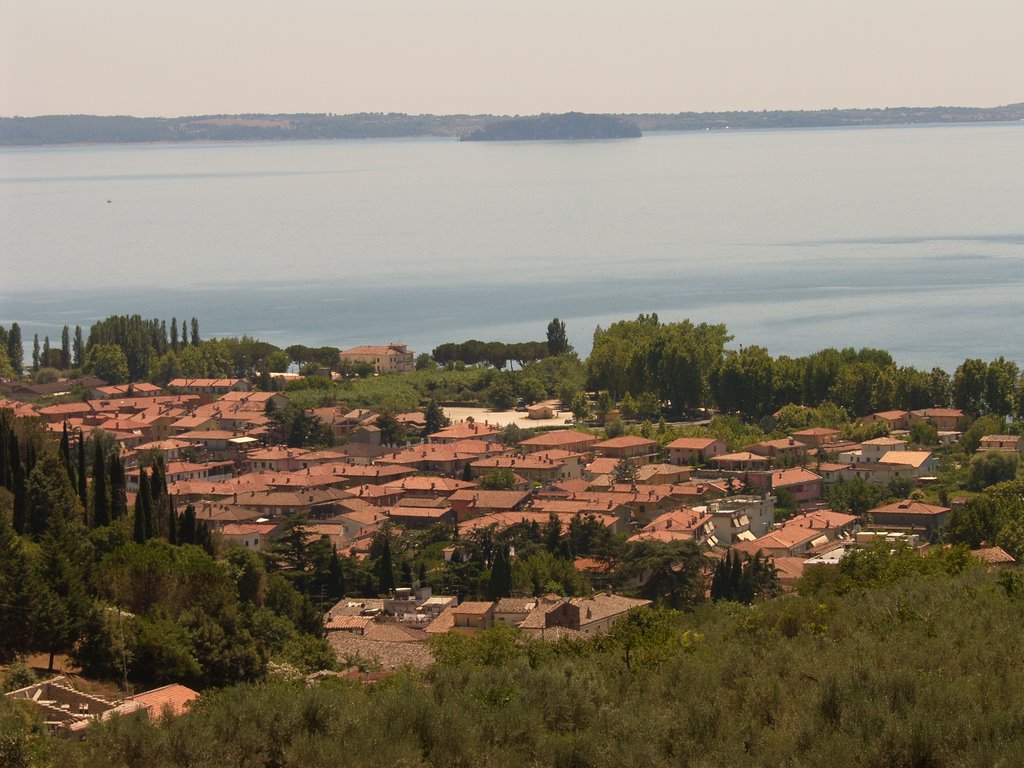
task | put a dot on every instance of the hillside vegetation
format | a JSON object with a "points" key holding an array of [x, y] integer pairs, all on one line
{"points": [[911, 670]]}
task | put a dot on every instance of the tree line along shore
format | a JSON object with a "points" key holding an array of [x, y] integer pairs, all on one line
{"points": [[96, 129]]}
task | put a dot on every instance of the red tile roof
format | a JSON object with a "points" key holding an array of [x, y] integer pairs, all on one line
{"points": [[909, 507], [559, 438], [795, 476], [693, 443], [173, 699], [626, 441]]}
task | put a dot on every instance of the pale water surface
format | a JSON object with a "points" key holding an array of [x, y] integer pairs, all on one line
{"points": [[910, 239]]}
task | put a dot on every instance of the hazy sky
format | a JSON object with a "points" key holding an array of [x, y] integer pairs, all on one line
{"points": [[144, 57]]}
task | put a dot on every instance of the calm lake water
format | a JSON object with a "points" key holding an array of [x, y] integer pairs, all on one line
{"points": [[910, 239]]}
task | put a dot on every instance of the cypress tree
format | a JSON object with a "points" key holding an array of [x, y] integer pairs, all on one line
{"points": [[20, 518], [421, 574], [35, 353], [157, 484], [716, 581], [335, 575], [203, 538], [30, 458], [13, 455], [6, 474], [157, 498], [149, 520], [172, 525], [552, 533], [118, 500], [65, 452], [385, 569], [45, 358], [735, 576], [100, 502], [83, 486], [143, 509], [139, 517], [6, 467], [745, 592], [174, 334], [187, 526], [500, 584], [195, 332]]}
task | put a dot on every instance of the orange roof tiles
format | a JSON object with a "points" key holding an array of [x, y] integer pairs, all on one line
{"points": [[626, 441], [560, 438], [909, 507], [906, 458], [490, 499], [693, 443], [476, 608], [795, 476]]}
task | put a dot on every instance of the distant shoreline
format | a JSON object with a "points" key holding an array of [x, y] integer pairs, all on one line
{"points": [[456, 139], [85, 130]]}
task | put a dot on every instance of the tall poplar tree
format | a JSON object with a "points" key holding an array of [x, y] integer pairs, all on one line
{"points": [[35, 353], [65, 349], [15, 349], [79, 348]]}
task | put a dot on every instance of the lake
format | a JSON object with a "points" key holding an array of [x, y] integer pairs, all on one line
{"points": [[905, 238]]}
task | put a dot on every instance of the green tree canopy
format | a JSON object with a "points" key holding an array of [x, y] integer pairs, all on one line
{"points": [[108, 362]]}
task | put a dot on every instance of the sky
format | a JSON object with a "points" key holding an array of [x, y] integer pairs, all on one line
{"points": [[192, 57]]}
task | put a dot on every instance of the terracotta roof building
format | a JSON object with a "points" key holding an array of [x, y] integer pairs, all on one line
{"points": [[564, 439], [390, 358], [910, 514], [686, 449]]}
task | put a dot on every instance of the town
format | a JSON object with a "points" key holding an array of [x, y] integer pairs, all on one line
{"points": [[373, 533]]}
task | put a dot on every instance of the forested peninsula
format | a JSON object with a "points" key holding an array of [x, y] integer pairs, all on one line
{"points": [[88, 129], [570, 126]]}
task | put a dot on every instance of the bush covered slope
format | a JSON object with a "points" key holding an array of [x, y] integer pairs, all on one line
{"points": [[918, 672]]}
